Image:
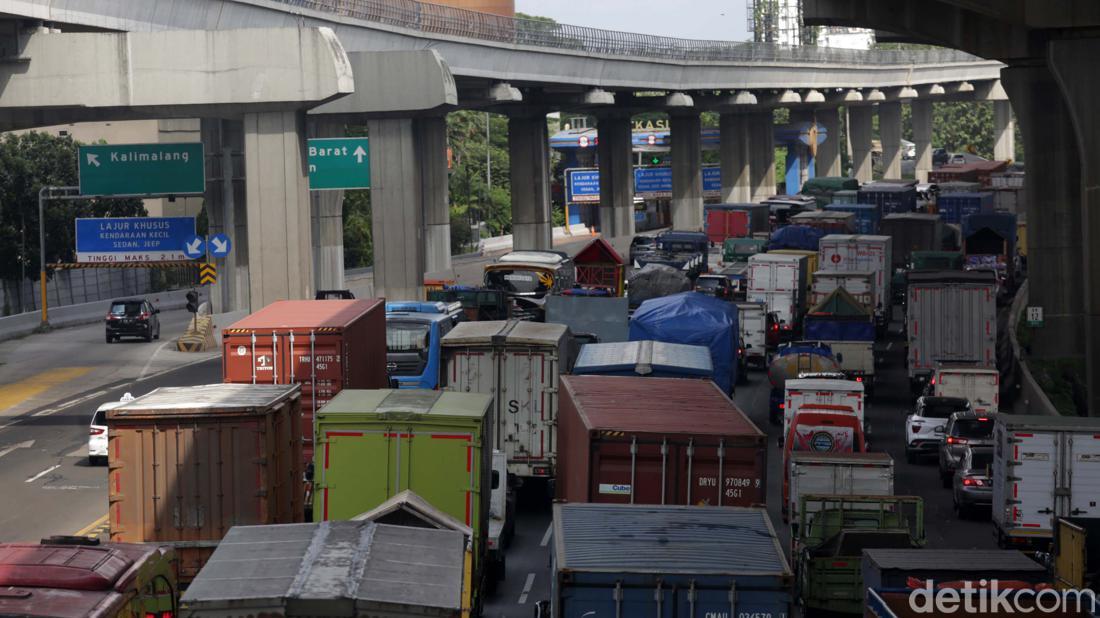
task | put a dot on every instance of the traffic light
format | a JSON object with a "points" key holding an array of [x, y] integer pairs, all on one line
{"points": [[654, 160], [193, 301]]}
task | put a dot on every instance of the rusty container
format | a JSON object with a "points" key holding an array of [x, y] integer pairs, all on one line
{"points": [[185, 464], [324, 345], [639, 440]]}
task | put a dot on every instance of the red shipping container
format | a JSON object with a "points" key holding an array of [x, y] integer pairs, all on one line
{"points": [[324, 345], [723, 224], [656, 441]]}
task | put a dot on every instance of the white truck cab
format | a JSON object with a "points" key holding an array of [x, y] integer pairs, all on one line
{"points": [[502, 519]]}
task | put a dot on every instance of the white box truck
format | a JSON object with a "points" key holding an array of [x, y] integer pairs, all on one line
{"points": [[1044, 468], [518, 363], [980, 385], [752, 319], [952, 318], [860, 284], [861, 253], [843, 474], [798, 393], [779, 281]]}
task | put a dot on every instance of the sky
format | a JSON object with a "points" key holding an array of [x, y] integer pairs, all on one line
{"points": [[721, 20]]}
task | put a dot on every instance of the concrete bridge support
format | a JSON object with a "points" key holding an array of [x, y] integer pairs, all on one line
{"points": [[733, 149], [529, 153], [431, 138], [616, 163], [687, 170], [762, 154], [277, 197], [859, 132], [922, 137], [226, 209], [796, 178], [1054, 212], [828, 152], [889, 128], [1004, 133], [327, 214], [1073, 63], [396, 215]]}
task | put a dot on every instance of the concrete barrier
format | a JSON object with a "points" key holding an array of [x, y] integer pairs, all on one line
{"points": [[19, 325], [1035, 401]]}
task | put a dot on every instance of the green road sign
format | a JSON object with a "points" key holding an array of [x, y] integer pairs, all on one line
{"points": [[141, 169], [339, 163]]}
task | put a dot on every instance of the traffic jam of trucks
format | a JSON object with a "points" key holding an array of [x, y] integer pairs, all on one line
{"points": [[349, 435]]}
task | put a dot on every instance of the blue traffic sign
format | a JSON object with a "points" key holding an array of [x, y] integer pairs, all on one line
{"points": [[194, 247], [133, 239], [582, 185], [219, 245]]}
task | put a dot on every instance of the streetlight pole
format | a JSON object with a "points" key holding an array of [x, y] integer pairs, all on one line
{"points": [[42, 251]]}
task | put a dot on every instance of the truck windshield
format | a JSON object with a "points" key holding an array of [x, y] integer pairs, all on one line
{"points": [[407, 336], [519, 280], [974, 428]]}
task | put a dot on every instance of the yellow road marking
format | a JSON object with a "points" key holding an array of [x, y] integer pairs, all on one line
{"points": [[18, 392], [86, 530]]}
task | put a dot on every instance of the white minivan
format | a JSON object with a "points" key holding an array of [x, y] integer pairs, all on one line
{"points": [[97, 431]]}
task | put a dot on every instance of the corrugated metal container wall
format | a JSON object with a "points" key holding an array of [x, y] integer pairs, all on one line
{"points": [[952, 317], [911, 232], [324, 345], [657, 441], [185, 464], [690, 562], [889, 197], [956, 207]]}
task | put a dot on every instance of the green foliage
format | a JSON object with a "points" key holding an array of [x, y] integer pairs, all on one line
{"points": [[29, 162], [358, 241], [469, 190]]}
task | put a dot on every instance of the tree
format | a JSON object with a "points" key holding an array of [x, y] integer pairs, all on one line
{"points": [[29, 162], [358, 239]]}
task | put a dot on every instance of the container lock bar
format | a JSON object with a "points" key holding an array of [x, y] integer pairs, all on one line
{"points": [[691, 459], [633, 464], [617, 595]]}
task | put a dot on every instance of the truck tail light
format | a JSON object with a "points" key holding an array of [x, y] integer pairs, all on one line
{"points": [[859, 378], [96, 431], [782, 406], [541, 471]]}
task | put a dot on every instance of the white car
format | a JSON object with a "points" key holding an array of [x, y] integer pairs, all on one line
{"points": [[924, 427], [97, 431]]}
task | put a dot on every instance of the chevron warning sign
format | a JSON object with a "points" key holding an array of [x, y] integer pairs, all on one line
{"points": [[208, 273]]}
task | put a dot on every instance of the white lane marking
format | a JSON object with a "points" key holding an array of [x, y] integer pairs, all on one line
{"points": [[71, 487], [24, 444], [546, 537], [69, 404], [151, 358], [527, 588], [187, 364], [889, 345], [42, 473]]}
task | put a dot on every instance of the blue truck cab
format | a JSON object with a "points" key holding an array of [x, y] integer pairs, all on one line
{"points": [[414, 330]]}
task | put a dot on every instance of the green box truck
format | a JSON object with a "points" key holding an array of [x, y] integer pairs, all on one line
{"points": [[373, 444]]}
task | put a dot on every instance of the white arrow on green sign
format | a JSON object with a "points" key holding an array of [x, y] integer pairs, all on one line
{"points": [[339, 163], [141, 169]]}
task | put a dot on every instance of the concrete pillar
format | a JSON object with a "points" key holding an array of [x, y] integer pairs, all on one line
{"points": [[431, 143], [687, 170], [616, 161], [762, 154], [922, 137], [800, 163], [327, 215], [828, 152], [280, 257], [1053, 202], [1073, 62], [529, 153], [396, 213], [226, 210], [859, 133], [889, 128], [1004, 133], [733, 149]]}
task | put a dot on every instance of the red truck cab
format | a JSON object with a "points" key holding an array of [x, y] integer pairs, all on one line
{"points": [[822, 428]]}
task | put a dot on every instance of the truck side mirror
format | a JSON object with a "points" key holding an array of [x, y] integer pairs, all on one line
{"points": [[496, 479]]}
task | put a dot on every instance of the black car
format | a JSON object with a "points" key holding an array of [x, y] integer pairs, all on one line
{"points": [[132, 317], [963, 430], [940, 157], [640, 245]]}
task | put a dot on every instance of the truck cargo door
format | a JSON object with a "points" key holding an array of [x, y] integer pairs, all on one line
{"points": [[357, 472], [528, 380], [1083, 462], [250, 358], [441, 467], [316, 361], [1032, 479]]}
